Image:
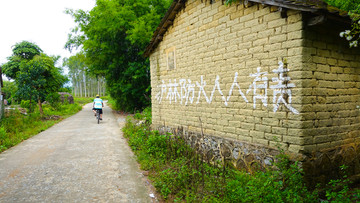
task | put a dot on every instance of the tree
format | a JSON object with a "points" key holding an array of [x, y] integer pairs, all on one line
{"points": [[353, 8], [34, 72], [82, 80], [22, 51], [113, 37], [39, 77]]}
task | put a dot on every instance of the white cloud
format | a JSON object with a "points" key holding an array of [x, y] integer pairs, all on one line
{"points": [[40, 21]]}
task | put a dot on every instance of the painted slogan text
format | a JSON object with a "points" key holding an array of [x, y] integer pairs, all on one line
{"points": [[184, 90]]}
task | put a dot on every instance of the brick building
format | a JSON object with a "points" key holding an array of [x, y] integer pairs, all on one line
{"points": [[235, 80]]}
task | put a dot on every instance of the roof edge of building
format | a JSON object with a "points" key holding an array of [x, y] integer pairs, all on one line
{"points": [[318, 7]]}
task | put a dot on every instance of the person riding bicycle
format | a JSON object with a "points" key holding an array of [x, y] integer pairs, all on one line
{"points": [[98, 105]]}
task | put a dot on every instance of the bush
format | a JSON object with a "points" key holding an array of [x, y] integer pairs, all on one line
{"points": [[180, 174], [27, 105], [65, 89], [54, 100], [283, 185], [3, 139], [339, 190]]}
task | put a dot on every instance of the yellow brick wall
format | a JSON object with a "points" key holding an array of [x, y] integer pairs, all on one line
{"points": [[215, 40], [331, 94], [215, 44]]}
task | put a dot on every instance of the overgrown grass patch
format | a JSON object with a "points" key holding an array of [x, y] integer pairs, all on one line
{"points": [[83, 100], [181, 175], [86, 100], [111, 102]]}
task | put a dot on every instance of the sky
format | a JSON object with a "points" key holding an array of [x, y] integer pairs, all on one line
{"points": [[42, 22]]}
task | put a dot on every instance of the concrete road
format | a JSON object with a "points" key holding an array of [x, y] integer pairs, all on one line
{"points": [[76, 160]]}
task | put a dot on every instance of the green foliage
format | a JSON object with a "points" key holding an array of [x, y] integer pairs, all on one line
{"points": [[22, 51], [3, 139], [9, 91], [145, 115], [27, 104], [39, 77], [339, 190], [181, 175], [34, 72], [114, 35], [83, 100], [353, 8], [26, 50], [229, 2], [282, 185], [112, 103], [345, 5], [54, 100], [65, 89]]}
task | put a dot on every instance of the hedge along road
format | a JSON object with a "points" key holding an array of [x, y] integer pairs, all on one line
{"points": [[77, 160]]}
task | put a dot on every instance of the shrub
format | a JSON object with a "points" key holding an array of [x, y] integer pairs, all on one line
{"points": [[27, 105], [3, 139], [54, 100], [180, 174], [339, 190], [66, 99]]}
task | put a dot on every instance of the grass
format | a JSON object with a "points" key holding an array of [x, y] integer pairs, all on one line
{"points": [[111, 102], [83, 100], [16, 127], [86, 100], [181, 175]]}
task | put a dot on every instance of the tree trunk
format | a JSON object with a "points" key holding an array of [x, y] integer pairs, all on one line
{"points": [[80, 89], [104, 86], [40, 106], [74, 86], [30, 105], [85, 86], [98, 81]]}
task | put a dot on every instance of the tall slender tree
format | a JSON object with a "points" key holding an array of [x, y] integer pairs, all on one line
{"points": [[81, 78]]}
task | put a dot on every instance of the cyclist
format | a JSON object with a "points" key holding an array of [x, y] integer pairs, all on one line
{"points": [[98, 104]]}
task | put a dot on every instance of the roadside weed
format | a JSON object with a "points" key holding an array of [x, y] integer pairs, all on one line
{"points": [[180, 174]]}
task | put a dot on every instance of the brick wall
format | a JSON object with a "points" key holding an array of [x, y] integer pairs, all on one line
{"points": [[227, 83], [213, 40], [331, 94]]}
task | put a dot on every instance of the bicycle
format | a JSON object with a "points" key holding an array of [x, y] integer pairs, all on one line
{"points": [[98, 115]]}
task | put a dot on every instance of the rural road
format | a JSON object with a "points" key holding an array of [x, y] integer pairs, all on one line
{"points": [[76, 160]]}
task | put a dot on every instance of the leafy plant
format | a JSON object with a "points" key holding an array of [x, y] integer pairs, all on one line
{"points": [[353, 8], [27, 104], [181, 175], [34, 72], [3, 139], [339, 190], [54, 100]]}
